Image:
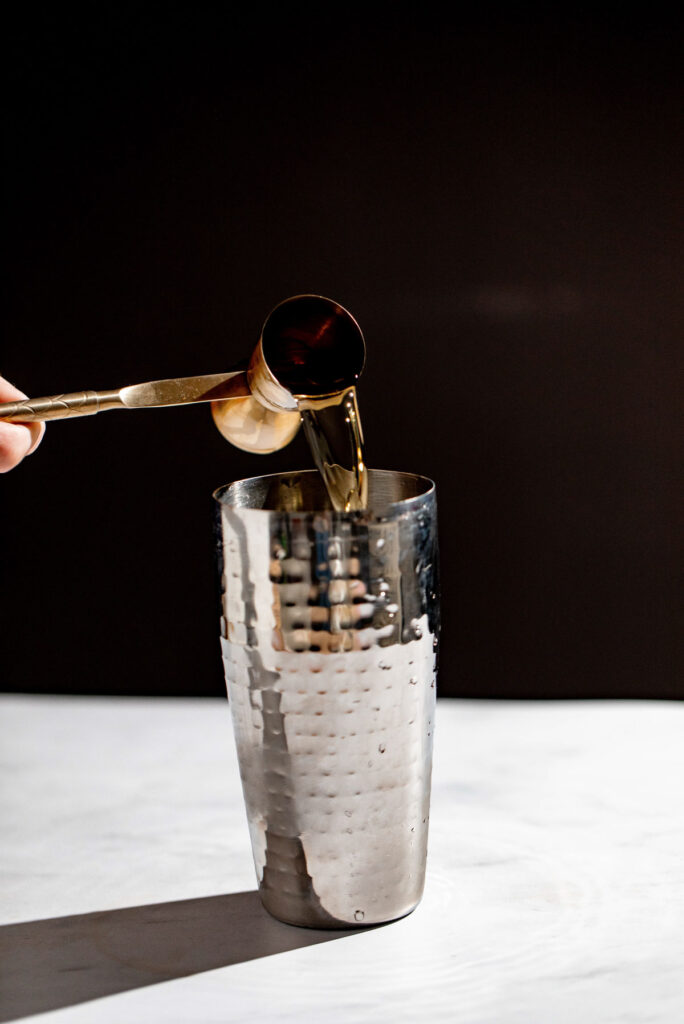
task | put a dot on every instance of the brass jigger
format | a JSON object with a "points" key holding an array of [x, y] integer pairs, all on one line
{"points": [[255, 409]]}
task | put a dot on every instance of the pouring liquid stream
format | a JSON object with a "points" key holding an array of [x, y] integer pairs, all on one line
{"points": [[332, 425]]}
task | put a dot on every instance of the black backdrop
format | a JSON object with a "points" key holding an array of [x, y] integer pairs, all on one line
{"points": [[495, 198]]}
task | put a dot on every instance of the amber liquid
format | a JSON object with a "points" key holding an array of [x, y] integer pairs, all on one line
{"points": [[333, 429]]}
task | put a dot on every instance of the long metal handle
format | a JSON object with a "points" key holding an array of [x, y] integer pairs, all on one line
{"points": [[60, 407], [215, 387]]}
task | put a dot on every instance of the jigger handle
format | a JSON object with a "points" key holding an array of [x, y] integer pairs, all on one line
{"points": [[60, 407], [215, 387]]}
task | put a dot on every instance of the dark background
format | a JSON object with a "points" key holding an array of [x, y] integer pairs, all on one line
{"points": [[496, 198]]}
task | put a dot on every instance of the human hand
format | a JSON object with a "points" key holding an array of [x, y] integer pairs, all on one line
{"points": [[16, 439]]}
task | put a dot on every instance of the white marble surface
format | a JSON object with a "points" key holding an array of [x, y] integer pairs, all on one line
{"points": [[555, 887]]}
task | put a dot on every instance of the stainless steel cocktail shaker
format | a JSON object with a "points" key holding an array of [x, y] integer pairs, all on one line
{"points": [[329, 630]]}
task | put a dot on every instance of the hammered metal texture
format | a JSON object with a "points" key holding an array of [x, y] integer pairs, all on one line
{"points": [[329, 639]]}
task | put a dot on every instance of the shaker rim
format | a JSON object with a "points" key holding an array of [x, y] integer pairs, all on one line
{"points": [[246, 493]]}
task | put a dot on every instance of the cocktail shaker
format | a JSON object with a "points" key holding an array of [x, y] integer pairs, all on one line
{"points": [[329, 636]]}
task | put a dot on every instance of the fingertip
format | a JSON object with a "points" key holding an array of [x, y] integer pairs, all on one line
{"points": [[10, 393], [37, 430], [15, 444]]}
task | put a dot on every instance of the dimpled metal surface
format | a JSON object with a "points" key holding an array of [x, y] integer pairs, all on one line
{"points": [[329, 638]]}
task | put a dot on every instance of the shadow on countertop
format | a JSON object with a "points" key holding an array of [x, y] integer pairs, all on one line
{"points": [[62, 961]]}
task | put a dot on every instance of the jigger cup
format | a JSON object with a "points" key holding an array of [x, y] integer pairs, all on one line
{"points": [[329, 638]]}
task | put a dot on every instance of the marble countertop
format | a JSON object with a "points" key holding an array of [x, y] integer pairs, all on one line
{"points": [[555, 888]]}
